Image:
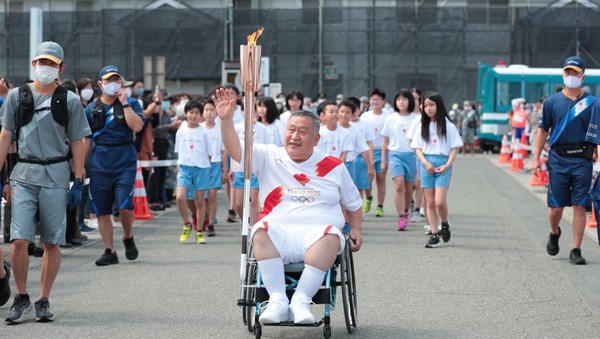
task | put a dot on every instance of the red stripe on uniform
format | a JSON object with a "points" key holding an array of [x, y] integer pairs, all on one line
{"points": [[326, 165], [266, 225], [327, 229], [272, 200]]}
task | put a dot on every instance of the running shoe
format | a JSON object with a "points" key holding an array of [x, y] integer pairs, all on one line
{"points": [[446, 234], [575, 257], [379, 211], [211, 230], [300, 311], [108, 258], [42, 311], [416, 217], [552, 245], [275, 313], [231, 217], [402, 222], [200, 238], [185, 234], [367, 205], [131, 251], [20, 307], [434, 241]]}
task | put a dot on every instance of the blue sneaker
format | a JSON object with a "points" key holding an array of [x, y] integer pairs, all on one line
{"points": [[86, 229], [216, 221]]}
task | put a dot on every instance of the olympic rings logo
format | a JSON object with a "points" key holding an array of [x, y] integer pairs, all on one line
{"points": [[302, 199]]}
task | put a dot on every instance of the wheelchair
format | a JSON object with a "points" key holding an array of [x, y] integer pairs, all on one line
{"points": [[341, 274]]}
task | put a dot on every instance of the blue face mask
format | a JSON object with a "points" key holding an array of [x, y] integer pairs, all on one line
{"points": [[166, 105], [139, 91]]}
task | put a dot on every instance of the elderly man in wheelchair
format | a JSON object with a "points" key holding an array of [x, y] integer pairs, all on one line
{"points": [[302, 192]]}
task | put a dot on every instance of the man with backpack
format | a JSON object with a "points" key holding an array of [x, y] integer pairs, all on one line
{"points": [[50, 127], [114, 119]]}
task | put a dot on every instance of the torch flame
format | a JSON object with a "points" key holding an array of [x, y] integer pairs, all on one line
{"points": [[252, 38]]}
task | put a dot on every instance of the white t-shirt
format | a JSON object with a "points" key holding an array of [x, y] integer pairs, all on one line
{"points": [[412, 129], [437, 145], [376, 124], [364, 129], [334, 142], [309, 193], [396, 127], [216, 142], [359, 144], [260, 137], [275, 132], [193, 146]]}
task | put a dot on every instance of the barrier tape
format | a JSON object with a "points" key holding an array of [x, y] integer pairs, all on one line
{"points": [[157, 163]]}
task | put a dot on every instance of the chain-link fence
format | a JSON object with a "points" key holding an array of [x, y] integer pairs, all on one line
{"points": [[431, 48]]}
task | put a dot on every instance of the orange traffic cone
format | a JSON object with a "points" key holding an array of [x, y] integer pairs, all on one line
{"points": [[592, 222], [140, 202], [541, 177], [524, 145], [517, 159], [504, 151]]}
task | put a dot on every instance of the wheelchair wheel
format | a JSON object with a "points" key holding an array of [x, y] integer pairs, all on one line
{"points": [[249, 292], [348, 288]]}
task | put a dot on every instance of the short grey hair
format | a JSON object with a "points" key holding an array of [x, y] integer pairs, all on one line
{"points": [[308, 114]]}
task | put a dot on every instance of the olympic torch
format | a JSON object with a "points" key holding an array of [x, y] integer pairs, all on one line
{"points": [[250, 72]]}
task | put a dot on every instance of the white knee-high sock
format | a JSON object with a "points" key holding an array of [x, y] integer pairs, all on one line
{"points": [[309, 283], [273, 278]]}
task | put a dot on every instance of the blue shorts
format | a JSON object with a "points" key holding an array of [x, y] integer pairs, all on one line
{"points": [[107, 189], [194, 178], [351, 167], [377, 160], [362, 173], [569, 180], [436, 179], [238, 181], [403, 164], [215, 175], [518, 132]]}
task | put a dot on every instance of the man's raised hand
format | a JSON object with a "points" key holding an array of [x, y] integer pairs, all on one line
{"points": [[225, 102]]}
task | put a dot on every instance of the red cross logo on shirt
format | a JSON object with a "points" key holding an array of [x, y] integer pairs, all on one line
{"points": [[334, 148], [435, 141]]}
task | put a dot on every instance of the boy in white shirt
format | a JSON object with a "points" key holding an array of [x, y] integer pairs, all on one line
{"points": [[192, 144], [334, 141]]}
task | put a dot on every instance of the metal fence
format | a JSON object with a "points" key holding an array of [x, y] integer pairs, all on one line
{"points": [[427, 47]]}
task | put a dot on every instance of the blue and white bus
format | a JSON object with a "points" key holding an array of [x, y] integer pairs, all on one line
{"points": [[498, 85]]}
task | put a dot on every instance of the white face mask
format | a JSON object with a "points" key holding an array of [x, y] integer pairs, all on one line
{"points": [[572, 81], [46, 74], [87, 93], [128, 91], [111, 88]]}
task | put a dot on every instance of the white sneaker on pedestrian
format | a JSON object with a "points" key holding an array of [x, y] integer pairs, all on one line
{"points": [[416, 217], [93, 223], [275, 313], [300, 311]]}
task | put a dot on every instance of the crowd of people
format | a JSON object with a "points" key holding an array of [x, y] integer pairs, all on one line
{"points": [[57, 133]]}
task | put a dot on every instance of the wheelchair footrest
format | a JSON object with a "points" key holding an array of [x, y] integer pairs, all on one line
{"points": [[291, 323], [323, 296]]}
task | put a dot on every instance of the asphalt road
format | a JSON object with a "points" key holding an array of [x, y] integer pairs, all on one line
{"points": [[492, 280]]}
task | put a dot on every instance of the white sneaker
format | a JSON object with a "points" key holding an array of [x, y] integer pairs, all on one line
{"points": [[300, 311], [275, 313], [416, 217], [422, 211], [93, 223]]}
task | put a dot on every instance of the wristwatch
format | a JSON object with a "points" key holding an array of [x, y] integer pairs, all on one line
{"points": [[126, 105]]}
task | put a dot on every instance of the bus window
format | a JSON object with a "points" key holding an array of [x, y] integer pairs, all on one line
{"points": [[534, 91], [506, 92]]}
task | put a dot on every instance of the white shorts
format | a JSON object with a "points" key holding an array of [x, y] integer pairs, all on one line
{"points": [[292, 241]]}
